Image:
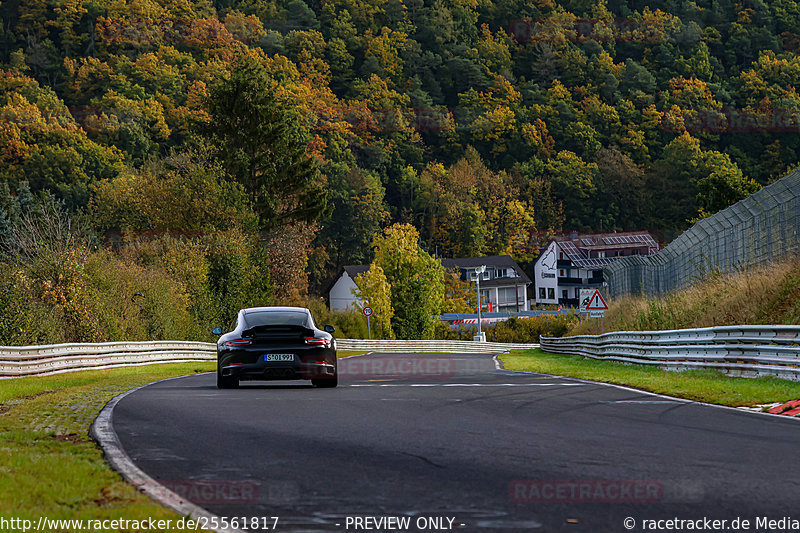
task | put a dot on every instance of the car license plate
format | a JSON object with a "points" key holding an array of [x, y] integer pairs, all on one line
{"points": [[279, 357]]}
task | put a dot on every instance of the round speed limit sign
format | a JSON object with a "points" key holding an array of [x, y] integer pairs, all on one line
{"points": [[367, 311]]}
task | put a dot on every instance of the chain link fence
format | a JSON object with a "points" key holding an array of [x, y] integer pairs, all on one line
{"points": [[758, 229]]}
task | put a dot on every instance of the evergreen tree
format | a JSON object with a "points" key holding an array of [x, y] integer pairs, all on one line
{"points": [[258, 144]]}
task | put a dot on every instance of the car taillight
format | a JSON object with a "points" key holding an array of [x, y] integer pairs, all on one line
{"points": [[317, 341], [239, 342]]}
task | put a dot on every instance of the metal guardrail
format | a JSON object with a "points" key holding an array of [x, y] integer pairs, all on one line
{"points": [[18, 361], [744, 351]]}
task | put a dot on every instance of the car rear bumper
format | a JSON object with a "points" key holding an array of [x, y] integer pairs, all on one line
{"points": [[263, 370]]}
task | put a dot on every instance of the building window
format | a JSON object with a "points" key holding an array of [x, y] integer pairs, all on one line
{"points": [[542, 294], [564, 294], [551, 293], [506, 295]]}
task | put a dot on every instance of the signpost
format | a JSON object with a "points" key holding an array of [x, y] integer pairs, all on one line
{"points": [[368, 313], [595, 305]]}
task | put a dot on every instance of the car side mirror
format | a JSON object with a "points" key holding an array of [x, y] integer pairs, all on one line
{"points": [[216, 331], [329, 328]]}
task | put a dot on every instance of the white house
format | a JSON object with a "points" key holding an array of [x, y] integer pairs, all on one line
{"points": [[504, 285], [341, 292], [571, 263]]}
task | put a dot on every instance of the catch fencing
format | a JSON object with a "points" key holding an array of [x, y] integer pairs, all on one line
{"points": [[758, 229], [743, 351], [18, 361]]}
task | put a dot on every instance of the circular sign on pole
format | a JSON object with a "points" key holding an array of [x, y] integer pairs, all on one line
{"points": [[367, 311]]}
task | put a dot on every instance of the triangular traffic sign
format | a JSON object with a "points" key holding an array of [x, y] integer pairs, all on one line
{"points": [[596, 302]]}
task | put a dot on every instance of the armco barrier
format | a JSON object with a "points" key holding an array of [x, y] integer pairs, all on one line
{"points": [[744, 351], [18, 361]]}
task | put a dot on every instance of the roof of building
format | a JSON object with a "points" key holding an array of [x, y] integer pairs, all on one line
{"points": [[615, 240], [581, 258], [576, 246], [492, 261]]}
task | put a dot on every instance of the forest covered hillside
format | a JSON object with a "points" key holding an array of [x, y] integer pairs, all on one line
{"points": [[487, 125]]}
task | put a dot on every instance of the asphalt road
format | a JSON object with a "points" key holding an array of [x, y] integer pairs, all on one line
{"points": [[453, 443]]}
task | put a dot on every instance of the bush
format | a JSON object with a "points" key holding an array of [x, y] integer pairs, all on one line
{"points": [[528, 330], [348, 324], [448, 333], [26, 320], [160, 311], [518, 330]]}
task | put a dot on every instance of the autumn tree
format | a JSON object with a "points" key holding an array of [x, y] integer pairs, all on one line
{"points": [[459, 296], [373, 291], [415, 279]]}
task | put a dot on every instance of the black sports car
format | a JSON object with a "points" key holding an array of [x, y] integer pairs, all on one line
{"points": [[276, 343]]}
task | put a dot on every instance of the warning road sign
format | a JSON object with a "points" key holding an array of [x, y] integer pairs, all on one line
{"points": [[596, 302]]}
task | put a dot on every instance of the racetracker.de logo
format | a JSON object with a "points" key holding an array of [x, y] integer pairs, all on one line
{"points": [[586, 491], [397, 367], [215, 492]]}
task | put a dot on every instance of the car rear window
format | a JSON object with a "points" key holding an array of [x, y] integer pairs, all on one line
{"points": [[277, 318]]}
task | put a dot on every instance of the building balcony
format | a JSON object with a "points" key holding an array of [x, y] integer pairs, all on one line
{"points": [[512, 305], [585, 282]]}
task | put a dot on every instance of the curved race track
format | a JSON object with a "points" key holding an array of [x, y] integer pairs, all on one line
{"points": [[458, 444]]}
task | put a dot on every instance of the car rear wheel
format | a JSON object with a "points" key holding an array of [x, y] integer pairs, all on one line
{"points": [[326, 383], [228, 382]]}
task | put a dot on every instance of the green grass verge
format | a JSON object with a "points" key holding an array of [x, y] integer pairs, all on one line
{"points": [[701, 385], [49, 466]]}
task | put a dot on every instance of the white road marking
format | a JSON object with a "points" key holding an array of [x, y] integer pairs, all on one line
{"points": [[466, 385], [646, 401]]}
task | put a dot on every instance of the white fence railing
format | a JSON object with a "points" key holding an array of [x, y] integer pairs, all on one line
{"points": [[745, 351], [18, 361]]}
